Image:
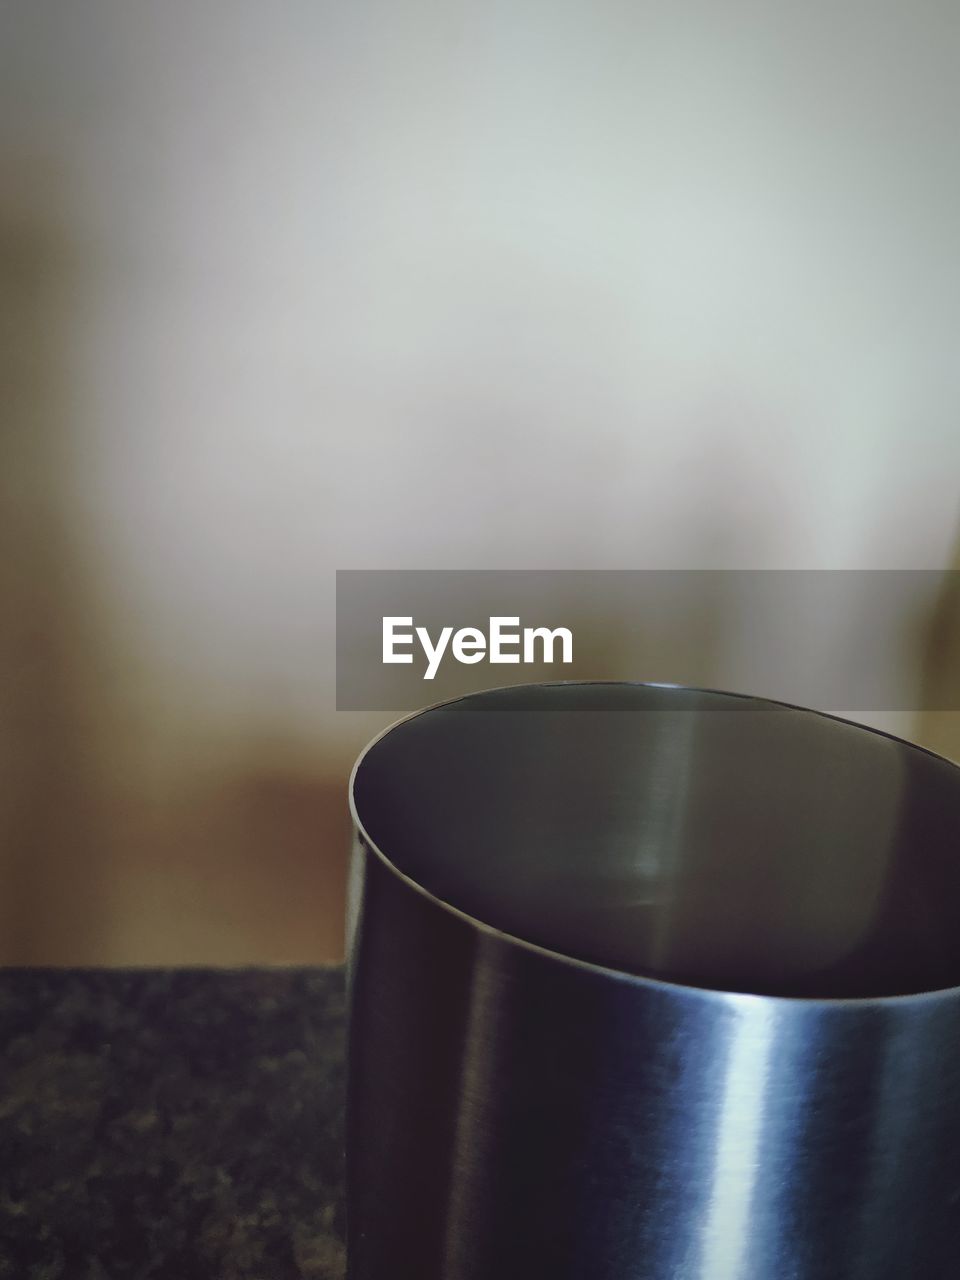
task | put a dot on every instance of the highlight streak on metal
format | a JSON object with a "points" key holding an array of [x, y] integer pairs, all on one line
{"points": [[728, 1227]]}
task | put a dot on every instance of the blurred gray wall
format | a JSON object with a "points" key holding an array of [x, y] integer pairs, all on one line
{"points": [[300, 286]]}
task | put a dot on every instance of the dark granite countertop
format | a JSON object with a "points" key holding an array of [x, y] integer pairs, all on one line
{"points": [[181, 1124]]}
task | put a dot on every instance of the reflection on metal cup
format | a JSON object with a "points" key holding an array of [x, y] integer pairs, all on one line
{"points": [[652, 983]]}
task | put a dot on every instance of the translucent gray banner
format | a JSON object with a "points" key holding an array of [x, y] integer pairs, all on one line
{"points": [[870, 640]]}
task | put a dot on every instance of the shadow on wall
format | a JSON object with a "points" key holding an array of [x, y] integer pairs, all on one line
{"points": [[938, 722], [100, 862], [52, 899]]}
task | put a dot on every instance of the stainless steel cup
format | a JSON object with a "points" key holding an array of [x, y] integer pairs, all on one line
{"points": [[652, 983]]}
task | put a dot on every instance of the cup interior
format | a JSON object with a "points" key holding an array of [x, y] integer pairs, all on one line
{"points": [[704, 838]]}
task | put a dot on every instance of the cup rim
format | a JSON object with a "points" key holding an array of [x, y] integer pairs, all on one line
{"points": [[742, 999]]}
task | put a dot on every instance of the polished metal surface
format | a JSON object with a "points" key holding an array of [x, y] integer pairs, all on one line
{"points": [[651, 983]]}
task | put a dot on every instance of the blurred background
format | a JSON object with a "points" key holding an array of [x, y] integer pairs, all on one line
{"points": [[296, 287]]}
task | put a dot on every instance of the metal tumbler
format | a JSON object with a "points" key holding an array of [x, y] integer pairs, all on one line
{"points": [[652, 983]]}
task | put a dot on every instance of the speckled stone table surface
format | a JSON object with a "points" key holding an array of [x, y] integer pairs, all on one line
{"points": [[181, 1124]]}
